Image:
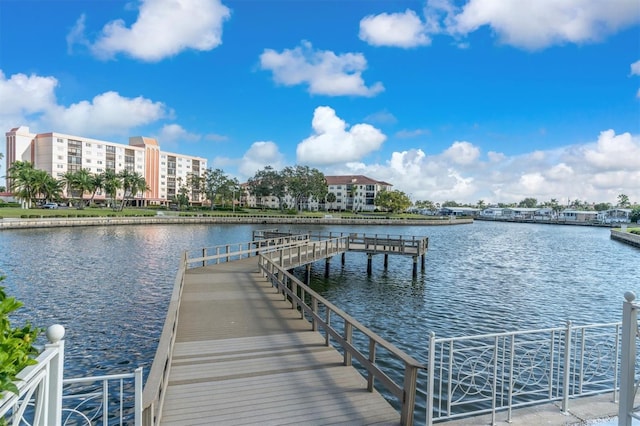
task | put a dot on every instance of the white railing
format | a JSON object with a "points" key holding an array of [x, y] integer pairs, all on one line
{"points": [[44, 397], [499, 372], [627, 411], [114, 399], [39, 398]]}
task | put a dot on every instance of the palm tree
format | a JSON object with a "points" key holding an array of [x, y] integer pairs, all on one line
{"points": [[111, 184], [97, 183], [22, 177], [132, 184]]}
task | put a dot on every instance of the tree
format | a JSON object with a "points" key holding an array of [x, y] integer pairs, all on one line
{"points": [[97, 183], [395, 201], [635, 215], [22, 177], [450, 204], [601, 207], [213, 183], [182, 197], [481, 204], [528, 203], [304, 184], [623, 200], [267, 182], [330, 199], [132, 184], [111, 184], [426, 204]]}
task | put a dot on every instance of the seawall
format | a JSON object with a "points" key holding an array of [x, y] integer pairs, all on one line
{"points": [[44, 222], [626, 237]]}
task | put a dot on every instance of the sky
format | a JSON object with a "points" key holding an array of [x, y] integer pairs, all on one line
{"points": [[447, 100]]}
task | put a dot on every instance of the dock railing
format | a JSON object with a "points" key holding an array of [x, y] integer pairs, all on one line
{"points": [[627, 411], [489, 373], [339, 327], [157, 381]]}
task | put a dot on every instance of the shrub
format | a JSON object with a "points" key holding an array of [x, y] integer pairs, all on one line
{"points": [[16, 344]]}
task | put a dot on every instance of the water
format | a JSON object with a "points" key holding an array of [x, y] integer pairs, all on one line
{"points": [[109, 286]]}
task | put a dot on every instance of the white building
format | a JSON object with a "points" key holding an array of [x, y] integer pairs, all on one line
{"points": [[354, 192], [58, 153]]}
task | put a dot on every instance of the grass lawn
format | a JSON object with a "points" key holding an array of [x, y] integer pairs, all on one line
{"points": [[16, 212]]}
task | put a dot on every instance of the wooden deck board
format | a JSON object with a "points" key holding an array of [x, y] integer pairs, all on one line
{"points": [[244, 357]]}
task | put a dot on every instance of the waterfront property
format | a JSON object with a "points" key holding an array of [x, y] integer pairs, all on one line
{"points": [[58, 153]]}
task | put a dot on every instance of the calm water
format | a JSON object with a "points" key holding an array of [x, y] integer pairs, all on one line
{"points": [[109, 286]]}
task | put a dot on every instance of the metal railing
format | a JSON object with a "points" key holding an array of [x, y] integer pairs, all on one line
{"points": [[499, 372], [114, 399], [39, 398], [45, 399], [627, 410], [324, 316]]}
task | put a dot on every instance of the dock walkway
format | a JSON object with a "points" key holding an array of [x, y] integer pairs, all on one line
{"points": [[243, 356]]}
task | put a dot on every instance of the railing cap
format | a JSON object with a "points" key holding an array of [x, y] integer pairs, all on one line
{"points": [[630, 296], [55, 333]]}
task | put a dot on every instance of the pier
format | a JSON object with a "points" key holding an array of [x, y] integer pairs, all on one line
{"points": [[246, 342]]}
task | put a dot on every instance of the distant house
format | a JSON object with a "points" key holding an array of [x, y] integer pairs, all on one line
{"points": [[578, 215], [615, 216], [459, 211], [495, 212]]}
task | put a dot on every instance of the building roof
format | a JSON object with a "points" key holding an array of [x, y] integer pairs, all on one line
{"points": [[354, 179]]}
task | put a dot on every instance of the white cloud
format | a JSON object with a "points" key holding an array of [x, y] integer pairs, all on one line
{"points": [[23, 94], [332, 143], [106, 114], [536, 24], [394, 29], [462, 153], [407, 134], [31, 100], [174, 133], [322, 70], [594, 172], [163, 28], [635, 68], [260, 155], [613, 152]]}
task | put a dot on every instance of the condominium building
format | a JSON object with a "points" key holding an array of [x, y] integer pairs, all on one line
{"points": [[352, 192], [355, 192], [56, 153]]}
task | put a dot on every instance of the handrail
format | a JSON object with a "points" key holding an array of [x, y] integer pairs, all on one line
{"points": [[229, 252], [158, 379], [291, 286]]}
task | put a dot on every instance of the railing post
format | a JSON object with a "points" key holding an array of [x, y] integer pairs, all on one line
{"points": [[55, 333], [348, 337], [431, 377], [628, 364], [567, 368], [204, 255], [138, 397], [409, 395]]}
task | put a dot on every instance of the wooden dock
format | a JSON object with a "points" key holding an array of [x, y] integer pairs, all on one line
{"points": [[243, 356]]}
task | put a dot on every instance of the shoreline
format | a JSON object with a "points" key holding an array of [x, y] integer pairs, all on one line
{"points": [[626, 237], [18, 223]]}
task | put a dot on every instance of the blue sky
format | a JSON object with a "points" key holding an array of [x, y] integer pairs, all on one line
{"points": [[447, 100]]}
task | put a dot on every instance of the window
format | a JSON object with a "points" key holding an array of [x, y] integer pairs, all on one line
{"points": [[99, 161], [87, 144], [88, 160], [60, 140]]}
